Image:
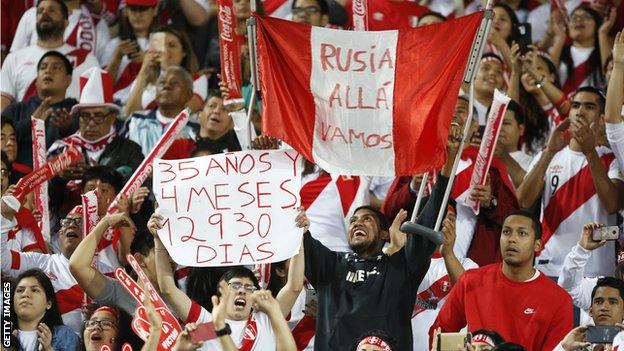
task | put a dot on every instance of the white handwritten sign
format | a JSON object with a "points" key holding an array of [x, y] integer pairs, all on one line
{"points": [[230, 209], [353, 87]]}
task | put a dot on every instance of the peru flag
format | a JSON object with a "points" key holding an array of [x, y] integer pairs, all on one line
{"points": [[363, 103]]}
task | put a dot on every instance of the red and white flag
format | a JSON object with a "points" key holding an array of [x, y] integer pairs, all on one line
{"points": [[363, 103]]}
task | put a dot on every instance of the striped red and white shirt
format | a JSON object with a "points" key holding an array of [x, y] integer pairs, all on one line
{"points": [[569, 201], [84, 31]]}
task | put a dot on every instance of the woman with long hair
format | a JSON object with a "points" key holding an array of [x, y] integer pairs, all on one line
{"points": [[543, 103], [36, 321], [579, 63], [123, 55], [501, 35], [174, 48]]}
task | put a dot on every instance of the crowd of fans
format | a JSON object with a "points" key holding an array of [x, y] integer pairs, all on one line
{"points": [[526, 273]]}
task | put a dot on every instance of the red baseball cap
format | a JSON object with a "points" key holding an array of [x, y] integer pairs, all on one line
{"points": [[146, 3]]}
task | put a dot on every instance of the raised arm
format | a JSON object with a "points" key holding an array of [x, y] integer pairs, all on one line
{"points": [[296, 270], [604, 40], [320, 262], [126, 234], [610, 191], [178, 300], [572, 277], [559, 40], [453, 266], [615, 91], [91, 280], [531, 188], [151, 62], [264, 302]]}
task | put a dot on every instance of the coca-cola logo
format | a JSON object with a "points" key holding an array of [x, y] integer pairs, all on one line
{"points": [[359, 7], [225, 16]]}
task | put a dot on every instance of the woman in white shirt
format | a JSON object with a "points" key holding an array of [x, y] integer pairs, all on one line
{"points": [[580, 62]]}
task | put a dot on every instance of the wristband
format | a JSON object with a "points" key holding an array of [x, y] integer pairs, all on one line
{"points": [[225, 331], [12, 202]]}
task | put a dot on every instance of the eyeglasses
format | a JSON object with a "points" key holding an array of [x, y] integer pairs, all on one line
{"points": [[66, 222], [96, 118], [236, 286], [104, 324], [310, 10], [581, 17]]}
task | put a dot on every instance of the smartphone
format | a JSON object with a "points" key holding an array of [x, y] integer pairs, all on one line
{"points": [[157, 42], [453, 341], [204, 332], [523, 37], [132, 37], [601, 334], [606, 233]]}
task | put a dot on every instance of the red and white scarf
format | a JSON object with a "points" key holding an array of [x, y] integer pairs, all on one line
{"points": [[93, 146]]}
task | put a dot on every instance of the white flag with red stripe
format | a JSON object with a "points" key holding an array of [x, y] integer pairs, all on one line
{"points": [[363, 103]]}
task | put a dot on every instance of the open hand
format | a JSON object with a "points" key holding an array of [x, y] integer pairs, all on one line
{"points": [[587, 242]]}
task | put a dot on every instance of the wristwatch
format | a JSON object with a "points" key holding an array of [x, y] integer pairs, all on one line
{"points": [[225, 331]]}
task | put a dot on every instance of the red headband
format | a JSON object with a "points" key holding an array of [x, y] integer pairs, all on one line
{"points": [[110, 310], [375, 341], [484, 339], [492, 58], [76, 210]]}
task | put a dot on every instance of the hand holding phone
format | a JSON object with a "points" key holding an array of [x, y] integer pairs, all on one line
{"points": [[522, 36], [601, 334], [606, 233]]}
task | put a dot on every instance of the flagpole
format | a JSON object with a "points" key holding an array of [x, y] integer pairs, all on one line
{"points": [[421, 192], [472, 67], [251, 43]]}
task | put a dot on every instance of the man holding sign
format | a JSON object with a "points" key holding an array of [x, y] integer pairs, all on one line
{"points": [[249, 329]]}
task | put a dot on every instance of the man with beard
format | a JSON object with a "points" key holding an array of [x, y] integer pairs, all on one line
{"points": [[19, 70], [518, 301], [368, 289], [84, 30]]}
